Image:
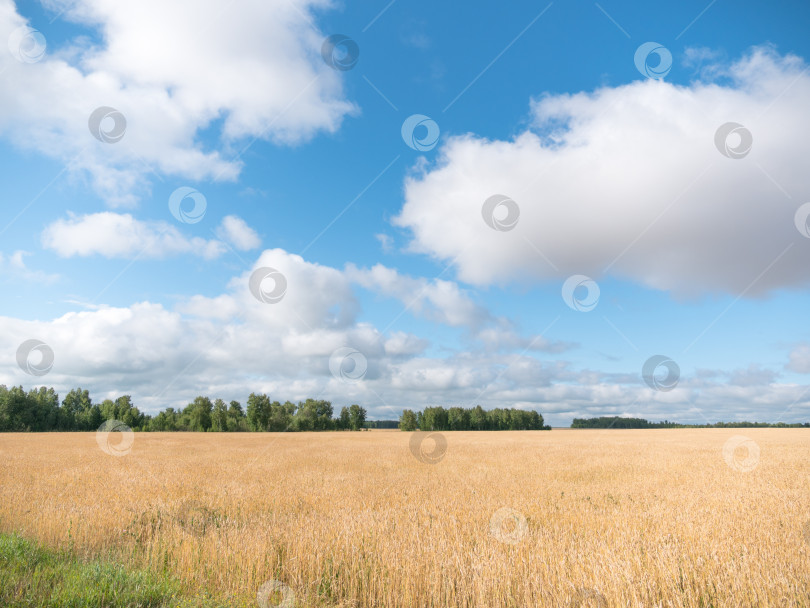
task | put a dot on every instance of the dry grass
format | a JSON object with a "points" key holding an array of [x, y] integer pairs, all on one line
{"points": [[612, 518]]}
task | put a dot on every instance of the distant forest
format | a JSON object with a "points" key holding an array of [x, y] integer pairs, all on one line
{"points": [[40, 410], [617, 422], [471, 419]]}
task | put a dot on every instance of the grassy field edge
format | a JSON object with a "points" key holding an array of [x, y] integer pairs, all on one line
{"points": [[31, 575]]}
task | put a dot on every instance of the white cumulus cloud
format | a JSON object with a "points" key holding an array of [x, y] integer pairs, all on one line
{"points": [[235, 231], [251, 71], [438, 300], [627, 181], [232, 344], [120, 235]]}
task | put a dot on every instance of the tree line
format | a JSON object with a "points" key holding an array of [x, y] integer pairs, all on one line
{"points": [[40, 410], [618, 422], [471, 419]]}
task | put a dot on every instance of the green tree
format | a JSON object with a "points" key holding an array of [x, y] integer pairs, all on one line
{"points": [[344, 422], [357, 417], [4, 416], [15, 410], [478, 419], [89, 419], [323, 415], [313, 415], [164, 421], [434, 419], [280, 417], [219, 416], [107, 410], [407, 421], [259, 410], [198, 413], [458, 419], [304, 419], [43, 406], [127, 413], [72, 406], [236, 417]]}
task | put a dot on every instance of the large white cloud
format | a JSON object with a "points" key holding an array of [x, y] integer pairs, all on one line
{"points": [[172, 70], [232, 344], [627, 181]]}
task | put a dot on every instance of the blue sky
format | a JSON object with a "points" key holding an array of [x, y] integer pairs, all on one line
{"points": [[617, 176]]}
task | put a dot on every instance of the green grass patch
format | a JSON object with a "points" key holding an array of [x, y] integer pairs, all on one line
{"points": [[31, 576]]}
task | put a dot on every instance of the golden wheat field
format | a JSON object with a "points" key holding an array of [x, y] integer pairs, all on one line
{"points": [[560, 518]]}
